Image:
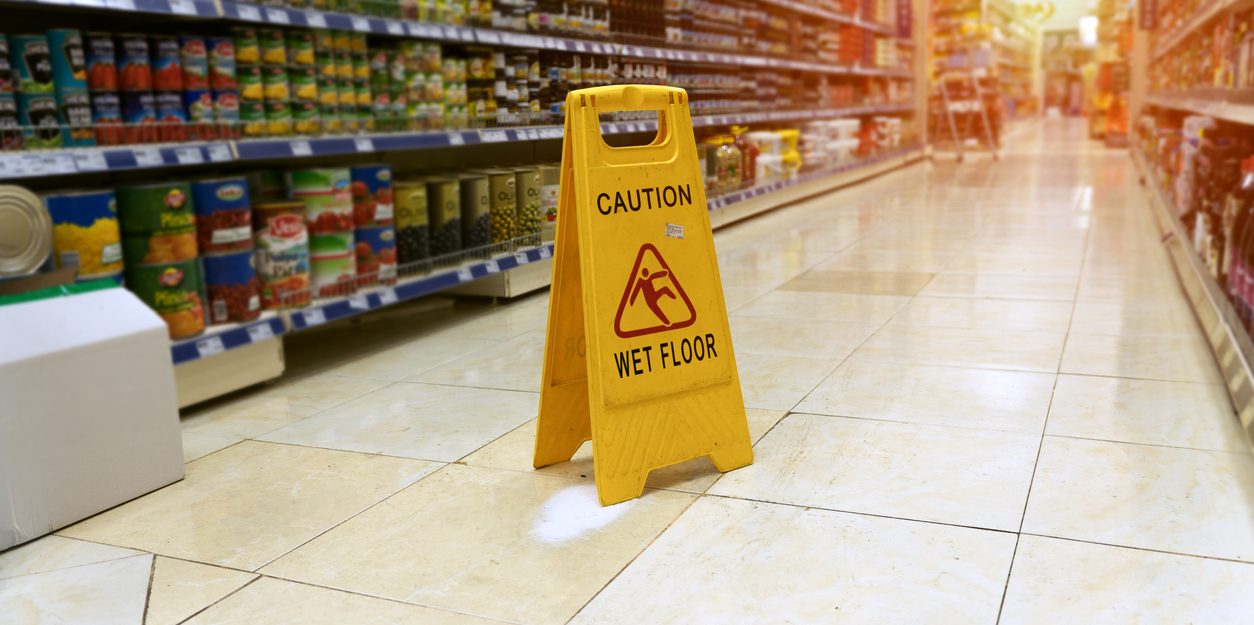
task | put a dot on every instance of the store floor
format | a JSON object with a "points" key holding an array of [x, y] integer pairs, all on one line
{"points": [[977, 397]]}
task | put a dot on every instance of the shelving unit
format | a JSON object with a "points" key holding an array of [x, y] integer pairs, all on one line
{"points": [[994, 41]]}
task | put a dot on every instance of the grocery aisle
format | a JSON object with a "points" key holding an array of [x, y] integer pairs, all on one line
{"points": [[977, 396]]}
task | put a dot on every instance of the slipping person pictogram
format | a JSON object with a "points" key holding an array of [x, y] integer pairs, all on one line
{"points": [[649, 288]]}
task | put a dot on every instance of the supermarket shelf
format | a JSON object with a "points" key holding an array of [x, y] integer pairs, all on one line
{"points": [[839, 18], [1232, 347], [181, 8], [1227, 104], [1208, 12], [18, 165], [218, 339]]}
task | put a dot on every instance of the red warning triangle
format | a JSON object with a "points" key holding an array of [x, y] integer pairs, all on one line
{"points": [[653, 300]]}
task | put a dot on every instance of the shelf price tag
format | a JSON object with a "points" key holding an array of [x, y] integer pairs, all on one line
{"points": [[396, 28], [59, 164], [492, 267], [125, 5], [358, 302], [488, 37], [493, 136], [301, 148], [315, 19], [364, 144], [387, 296], [183, 7], [314, 316], [277, 16], [260, 332], [188, 156], [247, 12], [147, 157], [209, 346], [464, 275], [90, 161], [551, 132], [545, 253], [360, 23], [417, 29], [219, 152], [455, 138], [521, 258]]}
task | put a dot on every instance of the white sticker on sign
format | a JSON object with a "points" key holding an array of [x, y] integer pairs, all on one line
{"points": [[675, 231], [183, 7], [278, 16], [260, 332], [210, 346], [248, 13], [455, 138], [361, 23], [219, 152], [147, 157]]}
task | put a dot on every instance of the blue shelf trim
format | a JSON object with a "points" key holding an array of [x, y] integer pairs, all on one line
{"points": [[215, 342]]}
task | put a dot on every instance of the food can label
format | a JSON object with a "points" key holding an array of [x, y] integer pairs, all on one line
{"points": [[33, 60], [102, 69], [195, 60], [40, 119], [376, 255], [222, 75], [173, 291], [69, 63], [167, 69]]}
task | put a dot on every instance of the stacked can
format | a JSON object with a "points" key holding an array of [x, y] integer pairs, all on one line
{"points": [[456, 93], [135, 80], [503, 204], [550, 187], [444, 215], [158, 227], [375, 232], [359, 56], [380, 88], [167, 86], [478, 219], [10, 129], [224, 86], [480, 90], [100, 58], [302, 78], [275, 85], [282, 253], [326, 71], [424, 84], [85, 233], [527, 198], [69, 74], [398, 91], [413, 239], [346, 95], [224, 235], [197, 98], [328, 201], [252, 93], [37, 110]]}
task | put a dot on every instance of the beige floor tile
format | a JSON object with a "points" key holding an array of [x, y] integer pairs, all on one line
{"points": [[864, 282], [277, 602], [500, 323], [774, 382], [1097, 287], [1124, 317], [886, 261], [501, 544], [977, 478], [1158, 357], [201, 445], [1152, 412], [1179, 500], [515, 365], [869, 310], [959, 347], [272, 407], [51, 553], [797, 337], [411, 358], [251, 503], [1016, 264], [986, 314], [103, 593], [1058, 581], [729, 561], [181, 589], [1060, 288], [423, 421], [514, 451], [998, 400]]}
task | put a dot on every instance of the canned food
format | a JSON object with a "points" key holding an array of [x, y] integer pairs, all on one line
{"points": [[232, 287], [223, 215], [327, 197], [376, 255], [282, 254], [476, 202], [102, 69], [69, 63], [27, 244], [324, 40], [200, 115], [305, 118], [32, 61], [412, 237], [134, 68], [332, 263], [342, 40], [344, 67], [278, 118], [7, 85], [273, 46], [157, 222], [303, 83], [504, 205], [40, 120], [195, 60], [106, 116], [274, 79], [221, 52], [167, 69], [550, 181], [444, 211], [300, 48], [361, 70], [357, 43], [139, 113], [75, 107], [252, 116], [347, 96], [251, 87], [85, 232], [372, 195], [327, 92], [173, 290], [247, 48], [527, 197], [171, 116], [10, 130]]}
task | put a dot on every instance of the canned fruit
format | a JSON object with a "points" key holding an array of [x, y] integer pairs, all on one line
{"points": [[222, 73], [167, 69], [376, 255], [157, 223], [173, 291], [223, 215], [303, 83], [69, 62], [527, 192], [195, 60], [372, 195], [300, 47], [278, 118], [85, 232], [328, 213], [232, 287], [251, 86], [274, 81], [272, 45], [305, 118], [247, 48]]}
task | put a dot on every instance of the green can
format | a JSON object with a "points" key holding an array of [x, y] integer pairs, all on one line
{"points": [[303, 83], [247, 47], [527, 198], [300, 48], [476, 200], [324, 40], [342, 40], [444, 213], [326, 66], [503, 204], [318, 181], [157, 222], [274, 83], [344, 66], [306, 118], [273, 46], [357, 43], [251, 88], [364, 97], [278, 118], [361, 69], [173, 290]]}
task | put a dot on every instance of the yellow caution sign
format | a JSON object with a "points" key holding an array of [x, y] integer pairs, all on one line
{"points": [[638, 356]]}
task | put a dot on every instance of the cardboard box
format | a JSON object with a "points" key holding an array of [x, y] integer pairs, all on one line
{"points": [[88, 418]]}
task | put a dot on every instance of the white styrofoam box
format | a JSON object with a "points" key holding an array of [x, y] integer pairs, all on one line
{"points": [[87, 410], [767, 142]]}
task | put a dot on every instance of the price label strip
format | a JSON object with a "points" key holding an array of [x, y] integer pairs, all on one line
{"points": [[260, 332], [209, 346]]}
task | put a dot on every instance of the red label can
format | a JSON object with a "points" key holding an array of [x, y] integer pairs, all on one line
{"points": [[167, 70], [102, 68], [134, 70], [195, 60]]}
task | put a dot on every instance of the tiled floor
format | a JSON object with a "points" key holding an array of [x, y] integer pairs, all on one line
{"points": [[976, 393]]}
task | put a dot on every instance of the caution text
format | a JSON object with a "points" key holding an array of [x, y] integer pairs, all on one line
{"points": [[647, 198], [665, 355]]}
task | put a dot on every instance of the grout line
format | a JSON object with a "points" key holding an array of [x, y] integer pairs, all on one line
{"points": [[220, 599], [1134, 548]]}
